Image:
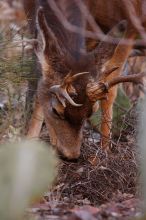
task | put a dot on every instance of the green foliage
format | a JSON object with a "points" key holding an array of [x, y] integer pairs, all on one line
{"points": [[15, 72], [16, 66]]}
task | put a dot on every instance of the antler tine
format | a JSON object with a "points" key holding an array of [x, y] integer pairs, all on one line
{"points": [[70, 78], [135, 78], [61, 90], [74, 77], [109, 71], [62, 95], [97, 91]]}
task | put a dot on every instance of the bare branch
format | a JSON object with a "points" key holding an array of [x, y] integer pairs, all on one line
{"points": [[136, 22], [97, 33], [87, 15]]}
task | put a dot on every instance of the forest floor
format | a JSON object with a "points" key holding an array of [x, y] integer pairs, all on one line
{"points": [[97, 186]]}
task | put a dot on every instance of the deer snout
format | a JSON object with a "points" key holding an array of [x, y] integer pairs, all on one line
{"points": [[69, 154]]}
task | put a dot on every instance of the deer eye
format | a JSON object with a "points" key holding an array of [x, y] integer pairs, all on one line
{"points": [[57, 108], [59, 115], [55, 112]]}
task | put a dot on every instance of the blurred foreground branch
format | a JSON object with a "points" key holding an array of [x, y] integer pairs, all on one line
{"points": [[97, 33]]}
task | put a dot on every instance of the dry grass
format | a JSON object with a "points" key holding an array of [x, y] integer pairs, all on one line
{"points": [[96, 177]]}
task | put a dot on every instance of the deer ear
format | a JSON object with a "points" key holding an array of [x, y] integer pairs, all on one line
{"points": [[48, 43], [112, 38], [47, 36], [105, 49]]}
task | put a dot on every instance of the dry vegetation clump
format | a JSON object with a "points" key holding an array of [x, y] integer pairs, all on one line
{"points": [[96, 177], [98, 186]]}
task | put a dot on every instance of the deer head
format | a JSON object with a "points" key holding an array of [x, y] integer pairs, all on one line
{"points": [[70, 77]]}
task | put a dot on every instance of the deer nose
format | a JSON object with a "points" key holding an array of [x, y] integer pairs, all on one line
{"points": [[69, 155]]}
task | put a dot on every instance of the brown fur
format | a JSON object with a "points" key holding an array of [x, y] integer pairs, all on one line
{"points": [[62, 53]]}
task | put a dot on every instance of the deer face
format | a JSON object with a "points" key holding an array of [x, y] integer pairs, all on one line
{"points": [[63, 90], [64, 134], [65, 106]]}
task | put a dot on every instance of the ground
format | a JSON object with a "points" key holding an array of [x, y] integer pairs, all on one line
{"points": [[97, 185]]}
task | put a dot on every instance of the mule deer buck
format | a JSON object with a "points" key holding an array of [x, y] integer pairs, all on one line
{"points": [[73, 80]]}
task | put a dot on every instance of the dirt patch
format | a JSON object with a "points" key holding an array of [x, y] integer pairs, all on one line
{"points": [[123, 206]]}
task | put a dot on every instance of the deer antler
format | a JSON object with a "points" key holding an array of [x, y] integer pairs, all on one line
{"points": [[96, 91], [62, 91], [107, 72]]}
